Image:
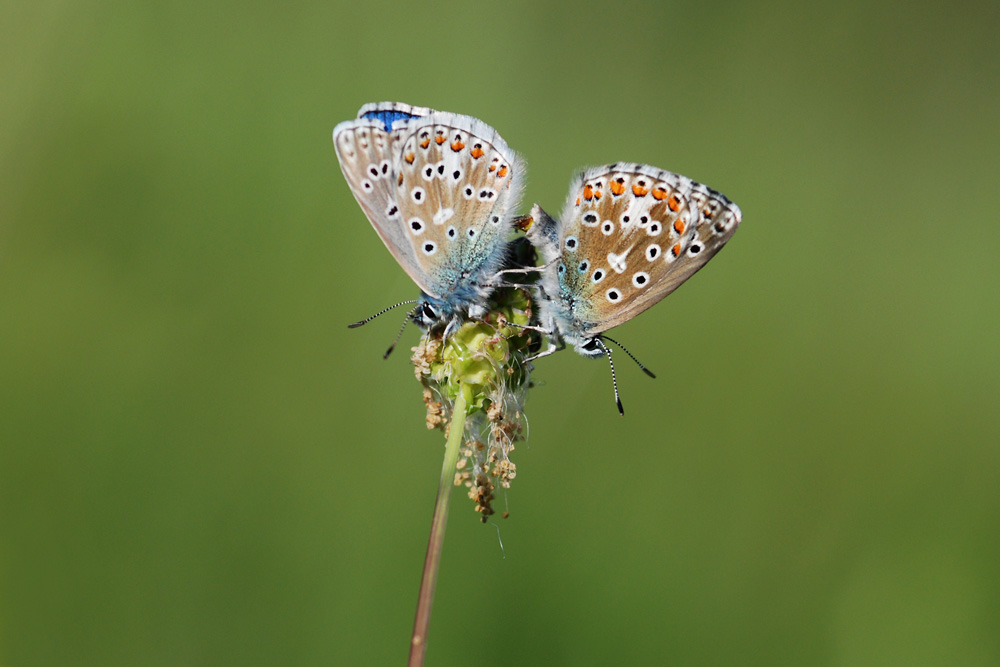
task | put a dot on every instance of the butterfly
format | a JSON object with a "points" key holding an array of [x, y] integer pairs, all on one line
{"points": [[439, 189], [629, 235]]}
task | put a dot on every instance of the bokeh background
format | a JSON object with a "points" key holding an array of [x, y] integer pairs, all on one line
{"points": [[201, 465]]}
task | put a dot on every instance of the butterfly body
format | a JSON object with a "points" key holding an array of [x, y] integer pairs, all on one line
{"points": [[628, 236], [439, 189]]}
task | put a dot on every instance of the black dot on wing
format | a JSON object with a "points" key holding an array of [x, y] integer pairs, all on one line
{"points": [[456, 175], [440, 168]]}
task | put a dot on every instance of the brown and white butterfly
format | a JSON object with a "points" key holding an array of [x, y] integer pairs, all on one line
{"points": [[440, 190], [629, 235]]}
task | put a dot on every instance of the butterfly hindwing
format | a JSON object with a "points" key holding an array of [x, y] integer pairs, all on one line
{"points": [[457, 184], [631, 234]]}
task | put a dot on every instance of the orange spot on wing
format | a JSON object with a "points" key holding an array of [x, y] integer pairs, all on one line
{"points": [[679, 226], [674, 203], [659, 194], [597, 194], [502, 172], [410, 157], [457, 145], [639, 191], [676, 250], [477, 152], [588, 192], [617, 188], [439, 139], [493, 167], [425, 143], [577, 201]]}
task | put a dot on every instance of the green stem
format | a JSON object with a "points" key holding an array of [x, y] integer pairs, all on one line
{"points": [[418, 644]]}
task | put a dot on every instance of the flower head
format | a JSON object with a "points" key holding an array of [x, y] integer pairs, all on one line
{"points": [[483, 360]]}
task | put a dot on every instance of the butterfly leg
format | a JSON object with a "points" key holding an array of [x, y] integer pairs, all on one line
{"points": [[554, 346]]}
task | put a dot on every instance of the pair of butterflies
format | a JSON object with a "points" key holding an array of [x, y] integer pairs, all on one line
{"points": [[441, 190]]}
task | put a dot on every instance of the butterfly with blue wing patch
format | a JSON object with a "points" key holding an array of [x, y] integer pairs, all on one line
{"points": [[439, 189]]}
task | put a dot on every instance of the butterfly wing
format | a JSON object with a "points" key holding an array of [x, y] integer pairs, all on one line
{"points": [[457, 184], [630, 235], [366, 148]]}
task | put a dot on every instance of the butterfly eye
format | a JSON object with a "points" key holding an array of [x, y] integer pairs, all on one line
{"points": [[598, 276], [614, 296]]}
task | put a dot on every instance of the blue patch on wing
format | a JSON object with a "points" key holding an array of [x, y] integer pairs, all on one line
{"points": [[387, 117]]}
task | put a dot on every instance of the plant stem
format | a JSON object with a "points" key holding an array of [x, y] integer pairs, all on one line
{"points": [[418, 644]]}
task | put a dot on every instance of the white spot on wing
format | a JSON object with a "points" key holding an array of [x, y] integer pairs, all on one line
{"points": [[617, 262], [443, 215]]}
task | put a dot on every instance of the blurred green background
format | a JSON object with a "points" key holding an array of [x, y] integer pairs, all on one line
{"points": [[201, 465]]}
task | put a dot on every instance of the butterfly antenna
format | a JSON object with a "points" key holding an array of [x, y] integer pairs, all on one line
{"points": [[632, 356], [409, 316], [381, 312], [614, 381]]}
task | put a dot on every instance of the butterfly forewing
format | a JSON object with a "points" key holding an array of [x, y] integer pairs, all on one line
{"points": [[630, 234], [367, 149], [456, 184]]}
